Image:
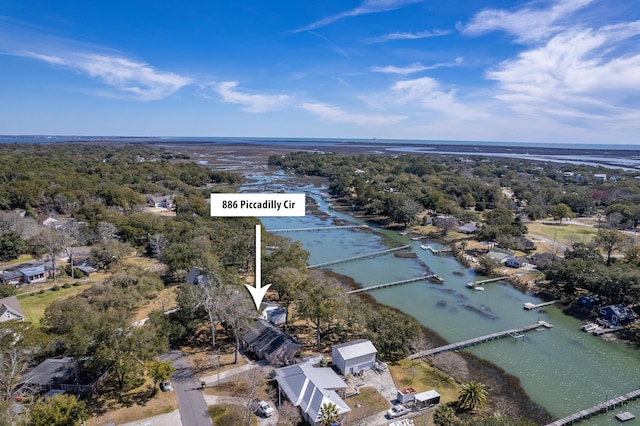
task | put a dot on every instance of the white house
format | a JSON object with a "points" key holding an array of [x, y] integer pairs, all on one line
{"points": [[353, 357], [273, 313], [309, 388], [10, 309]]}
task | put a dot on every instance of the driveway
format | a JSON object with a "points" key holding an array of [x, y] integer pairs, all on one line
{"points": [[193, 409], [219, 399]]}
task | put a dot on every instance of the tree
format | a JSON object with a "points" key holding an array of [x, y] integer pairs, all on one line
{"points": [[210, 296], [288, 282], [159, 371], [235, 315], [320, 301], [52, 241], [472, 395], [561, 211], [59, 410], [609, 240], [12, 246], [288, 414], [328, 414], [444, 415]]}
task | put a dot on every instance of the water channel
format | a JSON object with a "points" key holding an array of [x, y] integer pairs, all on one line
{"points": [[562, 369]]}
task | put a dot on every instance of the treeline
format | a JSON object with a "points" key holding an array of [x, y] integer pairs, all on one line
{"points": [[466, 186]]}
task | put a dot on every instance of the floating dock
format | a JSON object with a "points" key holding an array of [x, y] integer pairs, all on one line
{"points": [[435, 251], [597, 409], [514, 332]]}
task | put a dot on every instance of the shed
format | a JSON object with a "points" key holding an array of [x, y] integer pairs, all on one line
{"points": [[353, 357], [427, 399], [273, 313], [406, 395]]}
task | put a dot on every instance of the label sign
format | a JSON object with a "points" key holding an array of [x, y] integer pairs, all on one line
{"points": [[264, 204]]}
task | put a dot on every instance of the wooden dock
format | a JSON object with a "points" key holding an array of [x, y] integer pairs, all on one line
{"points": [[360, 256], [435, 251], [375, 287], [530, 306], [514, 332], [321, 228], [472, 284], [597, 409]]}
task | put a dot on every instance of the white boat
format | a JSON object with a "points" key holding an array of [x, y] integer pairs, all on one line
{"points": [[425, 247], [478, 288], [589, 327]]}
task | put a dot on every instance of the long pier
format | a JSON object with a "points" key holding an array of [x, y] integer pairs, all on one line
{"points": [[321, 228], [514, 332], [375, 287], [360, 256], [597, 409]]}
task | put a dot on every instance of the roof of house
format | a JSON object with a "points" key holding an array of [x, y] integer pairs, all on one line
{"points": [[355, 349], [34, 270], [12, 305], [310, 387], [621, 310], [196, 276], [58, 371], [468, 227], [267, 338], [87, 269]]}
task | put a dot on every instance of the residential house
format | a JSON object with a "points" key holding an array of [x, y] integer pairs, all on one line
{"points": [[64, 374], [468, 228], [268, 342], [196, 276], [10, 309], [273, 313], [516, 262], [353, 357], [11, 277], [543, 261], [617, 314], [499, 255], [309, 388], [600, 177], [162, 201], [34, 274], [87, 269]]}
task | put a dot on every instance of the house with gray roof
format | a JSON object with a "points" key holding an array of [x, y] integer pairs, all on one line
{"points": [[353, 357], [10, 309], [66, 374], [267, 341], [309, 388]]}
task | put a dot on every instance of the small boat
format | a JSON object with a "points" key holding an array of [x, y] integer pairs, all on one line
{"points": [[589, 327], [478, 288], [425, 247]]}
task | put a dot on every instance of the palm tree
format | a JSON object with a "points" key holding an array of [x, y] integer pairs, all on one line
{"points": [[328, 414], [472, 395]]}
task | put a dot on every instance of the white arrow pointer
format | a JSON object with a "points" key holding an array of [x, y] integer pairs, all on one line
{"points": [[258, 291]]}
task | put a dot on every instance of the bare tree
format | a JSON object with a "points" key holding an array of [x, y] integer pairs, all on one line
{"points": [[255, 379], [288, 414], [210, 295], [235, 315], [157, 244], [52, 241]]}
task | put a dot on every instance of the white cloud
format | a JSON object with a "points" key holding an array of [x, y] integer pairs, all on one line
{"points": [[406, 36], [257, 103], [527, 24], [129, 78], [414, 68], [336, 114], [578, 74], [366, 7]]}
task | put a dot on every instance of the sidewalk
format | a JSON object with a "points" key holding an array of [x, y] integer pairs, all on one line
{"points": [[169, 419]]}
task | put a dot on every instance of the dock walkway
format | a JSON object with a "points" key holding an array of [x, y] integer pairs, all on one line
{"points": [[360, 256], [597, 409], [530, 306], [321, 228], [375, 287], [476, 341]]}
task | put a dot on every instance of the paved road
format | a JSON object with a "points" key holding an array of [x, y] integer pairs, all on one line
{"points": [[193, 409]]}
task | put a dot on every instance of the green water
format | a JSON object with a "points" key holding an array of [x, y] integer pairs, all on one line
{"points": [[563, 369]]}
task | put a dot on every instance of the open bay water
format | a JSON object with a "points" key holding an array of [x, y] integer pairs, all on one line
{"points": [[562, 369]]}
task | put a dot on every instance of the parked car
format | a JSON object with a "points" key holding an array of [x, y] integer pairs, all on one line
{"points": [[397, 411], [264, 408], [166, 386]]}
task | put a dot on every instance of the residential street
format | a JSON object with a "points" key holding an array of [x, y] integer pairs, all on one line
{"points": [[193, 409]]}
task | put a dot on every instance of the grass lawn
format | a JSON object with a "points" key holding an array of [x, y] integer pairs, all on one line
{"points": [[367, 403], [115, 406], [228, 414], [563, 234], [240, 388], [165, 299], [33, 305], [422, 377]]}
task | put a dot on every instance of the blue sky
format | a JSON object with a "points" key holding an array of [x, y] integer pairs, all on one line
{"points": [[537, 71]]}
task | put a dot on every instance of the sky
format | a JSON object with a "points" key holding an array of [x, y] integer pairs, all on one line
{"points": [[560, 71]]}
